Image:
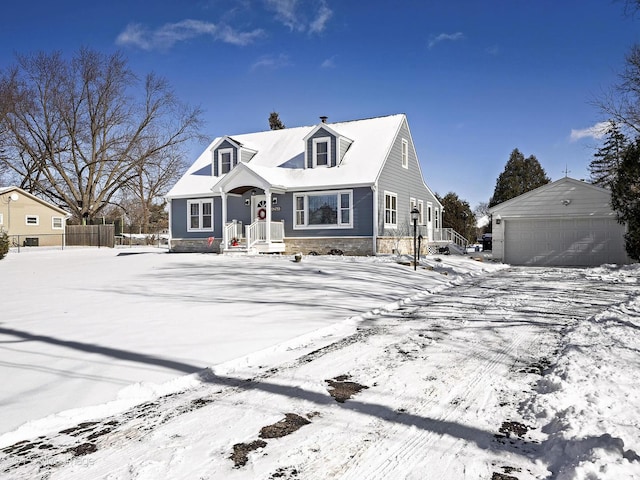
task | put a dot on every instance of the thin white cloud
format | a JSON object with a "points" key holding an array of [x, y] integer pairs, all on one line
{"points": [[444, 37], [493, 50], [286, 13], [597, 131], [169, 34], [271, 62], [324, 14], [291, 14], [329, 63]]}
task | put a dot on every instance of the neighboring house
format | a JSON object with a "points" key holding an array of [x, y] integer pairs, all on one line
{"points": [[30, 221], [564, 223], [348, 186]]}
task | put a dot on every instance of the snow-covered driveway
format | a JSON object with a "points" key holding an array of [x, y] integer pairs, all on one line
{"points": [[522, 374]]}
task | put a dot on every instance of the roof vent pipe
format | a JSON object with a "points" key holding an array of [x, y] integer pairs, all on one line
{"points": [[324, 119]]}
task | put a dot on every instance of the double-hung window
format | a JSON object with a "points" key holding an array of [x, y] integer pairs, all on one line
{"points": [[436, 218], [321, 152], [57, 223], [225, 157], [421, 210], [405, 154], [390, 210], [200, 216], [323, 210]]}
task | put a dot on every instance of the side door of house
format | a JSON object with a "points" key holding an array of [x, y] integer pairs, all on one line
{"points": [[430, 221]]}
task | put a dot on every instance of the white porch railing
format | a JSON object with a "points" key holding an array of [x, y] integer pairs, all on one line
{"points": [[233, 230], [451, 236], [257, 232]]}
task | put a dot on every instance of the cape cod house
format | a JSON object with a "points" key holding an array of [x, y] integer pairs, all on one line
{"points": [[346, 186]]}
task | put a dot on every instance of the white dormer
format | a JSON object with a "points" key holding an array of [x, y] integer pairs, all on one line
{"points": [[226, 153], [324, 147]]}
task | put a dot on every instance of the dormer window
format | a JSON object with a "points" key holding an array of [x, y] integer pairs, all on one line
{"points": [[225, 157], [321, 151]]}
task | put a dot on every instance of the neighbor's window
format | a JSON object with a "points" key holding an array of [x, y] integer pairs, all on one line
{"points": [[405, 153], [57, 223], [224, 160], [200, 216], [1, 219], [324, 210], [321, 156], [390, 209], [32, 220]]}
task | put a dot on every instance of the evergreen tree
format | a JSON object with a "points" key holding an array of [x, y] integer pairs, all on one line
{"points": [[274, 121], [625, 197], [457, 215], [520, 175], [4, 244], [606, 160]]}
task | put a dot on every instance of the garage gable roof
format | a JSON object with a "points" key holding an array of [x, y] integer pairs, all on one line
{"points": [[566, 197]]}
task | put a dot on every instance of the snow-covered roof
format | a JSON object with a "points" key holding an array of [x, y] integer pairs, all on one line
{"points": [[280, 157]]}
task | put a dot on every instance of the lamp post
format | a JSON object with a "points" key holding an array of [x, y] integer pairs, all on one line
{"points": [[415, 213], [464, 231]]}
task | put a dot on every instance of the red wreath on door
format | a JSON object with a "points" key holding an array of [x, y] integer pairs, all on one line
{"points": [[262, 214]]}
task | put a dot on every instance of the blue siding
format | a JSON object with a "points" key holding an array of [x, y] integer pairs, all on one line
{"points": [[333, 147], [234, 156], [362, 217], [407, 183], [179, 215]]}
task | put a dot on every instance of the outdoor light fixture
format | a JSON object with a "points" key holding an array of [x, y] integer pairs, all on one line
{"points": [[14, 197], [415, 214], [498, 219], [566, 202]]}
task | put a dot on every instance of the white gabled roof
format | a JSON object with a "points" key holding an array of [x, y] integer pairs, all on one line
{"points": [[280, 157], [563, 198]]}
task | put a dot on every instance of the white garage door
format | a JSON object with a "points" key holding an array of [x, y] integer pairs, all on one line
{"points": [[566, 242]]}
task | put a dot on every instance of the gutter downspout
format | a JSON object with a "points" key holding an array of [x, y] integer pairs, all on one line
{"points": [[374, 189]]}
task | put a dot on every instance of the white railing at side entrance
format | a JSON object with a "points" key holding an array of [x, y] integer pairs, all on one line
{"points": [[257, 232]]}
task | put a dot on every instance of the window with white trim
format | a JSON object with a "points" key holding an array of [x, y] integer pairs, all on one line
{"points": [[200, 215], [323, 210], [390, 209], [225, 159], [322, 152], [57, 223], [421, 210], [436, 219], [33, 220], [429, 209], [405, 154]]}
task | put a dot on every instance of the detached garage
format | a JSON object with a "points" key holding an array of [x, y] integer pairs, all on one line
{"points": [[564, 223]]}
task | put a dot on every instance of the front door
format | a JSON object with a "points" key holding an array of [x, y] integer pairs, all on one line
{"points": [[258, 207]]}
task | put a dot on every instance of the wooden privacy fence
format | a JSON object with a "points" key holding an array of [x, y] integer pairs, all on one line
{"points": [[90, 235]]}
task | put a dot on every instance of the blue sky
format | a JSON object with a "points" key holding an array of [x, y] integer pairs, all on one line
{"points": [[476, 78]]}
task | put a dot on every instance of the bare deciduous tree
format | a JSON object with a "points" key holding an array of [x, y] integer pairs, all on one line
{"points": [[78, 132]]}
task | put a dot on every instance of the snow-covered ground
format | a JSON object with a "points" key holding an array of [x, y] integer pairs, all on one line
{"points": [[461, 369]]}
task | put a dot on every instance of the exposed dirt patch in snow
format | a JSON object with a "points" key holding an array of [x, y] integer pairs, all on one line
{"points": [[342, 389], [289, 424], [240, 455]]}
